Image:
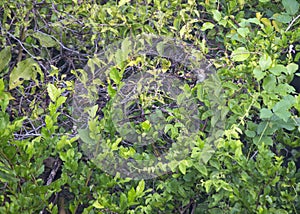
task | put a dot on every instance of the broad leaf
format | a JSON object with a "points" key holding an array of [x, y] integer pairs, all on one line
{"points": [[45, 40], [278, 69], [25, 70], [258, 73], [291, 6], [265, 62], [281, 109], [115, 75], [240, 54], [207, 26], [5, 56], [217, 15], [53, 92], [265, 113]]}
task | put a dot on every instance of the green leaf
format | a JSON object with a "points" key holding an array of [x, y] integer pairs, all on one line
{"points": [[225, 186], [243, 31], [240, 54], [207, 26], [5, 57], [140, 188], [25, 70], [173, 164], [146, 125], [97, 205], [160, 47], [265, 113], [258, 73], [126, 48], [201, 168], [4, 96], [208, 185], [297, 103], [265, 62], [53, 92], [84, 135], [269, 83], [2, 85], [123, 2], [121, 55], [131, 195], [93, 111], [292, 68], [250, 133], [111, 91], [7, 175], [176, 23], [291, 6], [168, 127], [265, 139], [49, 122], [123, 200], [278, 69], [182, 167], [115, 75], [61, 100], [45, 39], [283, 18], [207, 153], [115, 145], [281, 109], [216, 15], [63, 142], [4, 121]]}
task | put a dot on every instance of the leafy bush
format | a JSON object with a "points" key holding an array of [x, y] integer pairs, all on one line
{"points": [[50, 49]]}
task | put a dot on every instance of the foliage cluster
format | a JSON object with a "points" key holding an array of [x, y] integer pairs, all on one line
{"points": [[44, 46]]}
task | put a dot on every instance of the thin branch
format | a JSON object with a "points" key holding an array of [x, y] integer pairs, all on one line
{"points": [[63, 46], [21, 44], [292, 22], [53, 172]]}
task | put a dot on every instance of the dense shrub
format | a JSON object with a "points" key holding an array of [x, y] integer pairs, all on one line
{"points": [[252, 166]]}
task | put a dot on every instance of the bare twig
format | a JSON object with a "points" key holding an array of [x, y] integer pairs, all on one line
{"points": [[63, 46], [21, 44], [292, 22], [53, 172]]}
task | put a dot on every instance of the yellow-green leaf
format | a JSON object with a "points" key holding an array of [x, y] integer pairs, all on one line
{"points": [[45, 39], [115, 75], [25, 70], [140, 188], [265, 62], [182, 167], [217, 15], [5, 56], [97, 205], [207, 26], [146, 125], [53, 92], [240, 54], [123, 2]]}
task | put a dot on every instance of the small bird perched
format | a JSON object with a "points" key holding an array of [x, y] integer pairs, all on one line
{"points": [[200, 74]]}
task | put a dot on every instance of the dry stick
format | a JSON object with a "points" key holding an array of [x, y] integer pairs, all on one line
{"points": [[53, 172], [51, 177], [292, 22], [21, 44], [22, 37], [62, 45]]}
